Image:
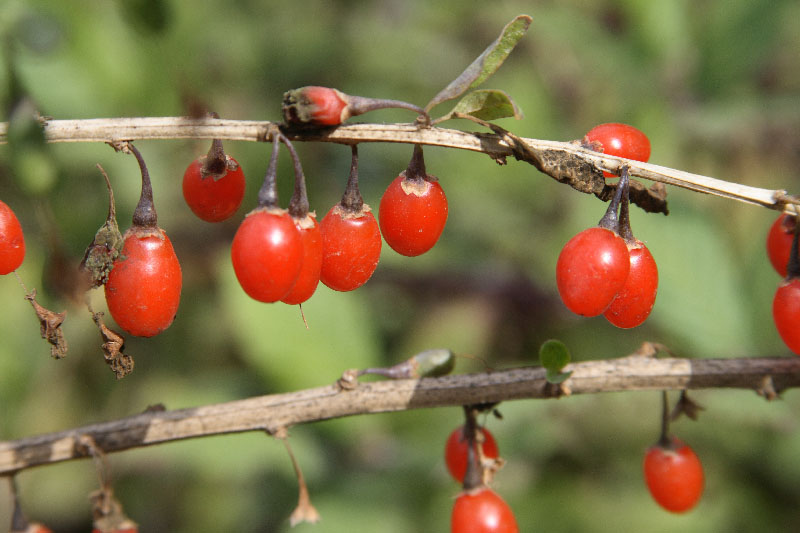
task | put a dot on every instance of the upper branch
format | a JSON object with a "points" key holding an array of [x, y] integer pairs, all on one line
{"points": [[273, 412], [551, 157]]}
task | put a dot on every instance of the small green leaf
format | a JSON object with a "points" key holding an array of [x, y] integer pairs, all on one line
{"points": [[486, 104], [485, 64], [554, 355], [555, 377], [432, 363]]}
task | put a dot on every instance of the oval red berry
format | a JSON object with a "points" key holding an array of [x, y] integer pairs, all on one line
{"points": [[213, 198], [621, 140], [412, 215], [351, 248], [633, 303], [455, 451], [308, 279], [674, 476], [786, 313], [12, 240], [482, 511], [267, 254], [144, 286], [591, 270], [779, 243]]}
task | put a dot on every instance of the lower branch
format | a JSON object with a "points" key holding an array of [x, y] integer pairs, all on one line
{"points": [[767, 376]]}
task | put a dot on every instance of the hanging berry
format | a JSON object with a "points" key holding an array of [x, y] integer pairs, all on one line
{"points": [[351, 239], [779, 242], [144, 286], [213, 185], [310, 236], [267, 250], [786, 304], [12, 240], [413, 210], [455, 451]]}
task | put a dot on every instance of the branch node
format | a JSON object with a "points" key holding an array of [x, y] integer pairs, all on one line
{"points": [[766, 388]]}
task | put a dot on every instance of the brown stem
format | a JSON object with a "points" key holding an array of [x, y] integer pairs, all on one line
{"points": [[351, 199], [624, 211], [664, 441], [144, 216], [268, 194], [359, 105], [298, 204]]}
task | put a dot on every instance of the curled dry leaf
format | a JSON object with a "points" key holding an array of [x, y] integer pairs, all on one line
{"points": [[686, 406], [106, 246], [50, 326], [113, 346]]}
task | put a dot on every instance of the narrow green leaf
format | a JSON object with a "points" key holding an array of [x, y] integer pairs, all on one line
{"points": [[485, 64], [554, 355], [486, 104]]}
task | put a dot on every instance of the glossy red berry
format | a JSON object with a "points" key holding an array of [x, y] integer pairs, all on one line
{"points": [[143, 290], [620, 140], [591, 270], [455, 451], [308, 279], [481, 510], [267, 254], [351, 248], [413, 210], [674, 476], [779, 243], [633, 303], [214, 194], [786, 313], [12, 240]]}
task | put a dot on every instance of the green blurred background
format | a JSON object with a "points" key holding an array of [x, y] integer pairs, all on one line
{"points": [[715, 85]]}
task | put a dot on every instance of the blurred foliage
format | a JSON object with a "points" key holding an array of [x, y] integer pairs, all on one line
{"points": [[715, 85]]}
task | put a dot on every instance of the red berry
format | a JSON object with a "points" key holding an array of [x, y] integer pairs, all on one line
{"points": [[351, 248], [413, 209], [308, 279], [12, 241], [482, 511], [591, 270], [213, 197], [779, 243], [633, 303], [455, 451], [674, 476], [144, 287], [786, 313], [267, 254], [620, 140], [321, 106]]}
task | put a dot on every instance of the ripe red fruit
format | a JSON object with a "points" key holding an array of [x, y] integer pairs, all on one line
{"points": [[351, 239], [633, 303], [308, 279], [12, 240], [351, 247], [213, 185], [143, 290], [674, 475], [786, 313], [620, 140], [779, 242], [413, 209], [482, 511], [591, 270], [455, 451], [267, 254], [144, 287]]}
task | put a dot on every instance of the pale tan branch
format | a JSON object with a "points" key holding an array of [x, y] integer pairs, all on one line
{"points": [[767, 376], [120, 129]]}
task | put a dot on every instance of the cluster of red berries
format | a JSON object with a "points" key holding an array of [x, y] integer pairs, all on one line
{"points": [[477, 509], [604, 269], [782, 250]]}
